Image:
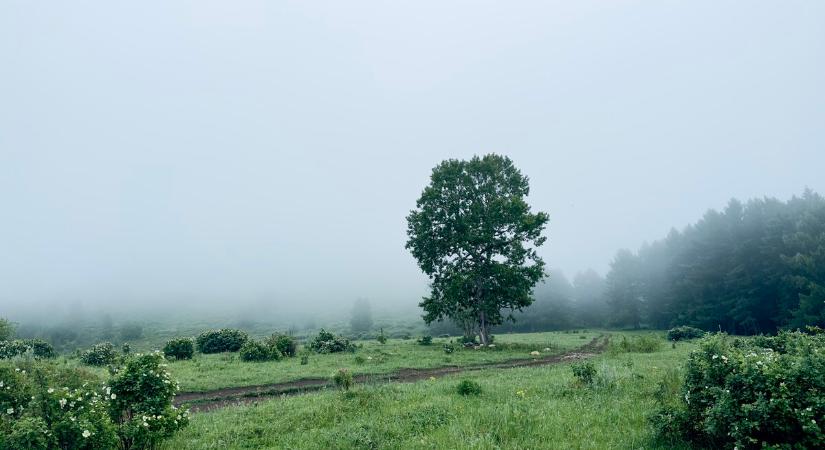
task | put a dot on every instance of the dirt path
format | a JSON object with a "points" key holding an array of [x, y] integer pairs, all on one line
{"points": [[210, 400]]}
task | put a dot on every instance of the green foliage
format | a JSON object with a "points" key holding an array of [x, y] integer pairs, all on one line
{"points": [[468, 387], [223, 340], [259, 351], [751, 268], [473, 234], [585, 372], [684, 333], [425, 340], [304, 360], [99, 355], [179, 348], [449, 348], [343, 379], [767, 392], [381, 337], [636, 344], [326, 342], [126, 348], [38, 348], [29, 433], [140, 402], [6, 329], [285, 344]]}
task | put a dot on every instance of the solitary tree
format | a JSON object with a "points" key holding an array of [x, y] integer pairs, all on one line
{"points": [[473, 234], [361, 319]]}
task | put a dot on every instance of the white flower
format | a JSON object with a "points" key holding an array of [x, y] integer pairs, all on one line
{"points": [[715, 356], [62, 402], [113, 396], [50, 391], [145, 424], [86, 433], [1, 384], [10, 411]]}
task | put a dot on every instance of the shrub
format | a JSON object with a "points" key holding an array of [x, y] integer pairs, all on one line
{"points": [[304, 360], [140, 402], [99, 355], [39, 348], [223, 340], [684, 333], [449, 348], [259, 351], [284, 343], [6, 329], [750, 393], [381, 337], [125, 349], [468, 387], [326, 342], [179, 348], [584, 372], [50, 406], [468, 340], [425, 340], [636, 344], [343, 379]]}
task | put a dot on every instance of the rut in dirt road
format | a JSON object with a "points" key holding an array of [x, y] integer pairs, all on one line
{"points": [[210, 400]]}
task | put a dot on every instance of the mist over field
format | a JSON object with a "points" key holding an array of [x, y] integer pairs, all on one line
{"points": [[261, 158]]}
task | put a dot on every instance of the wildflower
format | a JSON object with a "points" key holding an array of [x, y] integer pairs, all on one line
{"points": [[521, 393], [534, 353], [10, 411], [113, 396], [1, 384], [50, 391], [62, 402], [86, 433]]}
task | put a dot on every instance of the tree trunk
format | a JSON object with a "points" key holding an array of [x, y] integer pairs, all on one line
{"points": [[483, 332]]}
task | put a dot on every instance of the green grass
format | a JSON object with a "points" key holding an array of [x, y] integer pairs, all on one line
{"points": [[209, 372], [524, 408]]}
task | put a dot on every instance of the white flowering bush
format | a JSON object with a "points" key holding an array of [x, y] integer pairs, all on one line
{"points": [[140, 402], [750, 393], [99, 355], [48, 406]]}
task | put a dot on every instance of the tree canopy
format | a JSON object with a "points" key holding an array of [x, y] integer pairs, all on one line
{"points": [[473, 234]]}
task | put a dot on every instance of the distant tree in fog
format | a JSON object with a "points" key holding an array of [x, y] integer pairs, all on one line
{"points": [[6, 329], [361, 318], [473, 234]]}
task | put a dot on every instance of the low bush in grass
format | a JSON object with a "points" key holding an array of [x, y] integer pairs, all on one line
{"points": [[37, 347], [684, 333], [585, 372], [636, 344], [381, 338], [51, 406], [468, 387], [343, 379], [285, 344], [750, 393], [99, 355], [425, 340], [257, 351], [326, 342], [179, 348], [219, 341], [449, 348]]}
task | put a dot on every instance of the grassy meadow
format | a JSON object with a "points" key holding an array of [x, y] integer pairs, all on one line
{"points": [[519, 408]]}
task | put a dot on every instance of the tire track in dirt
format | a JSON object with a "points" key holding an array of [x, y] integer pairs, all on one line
{"points": [[220, 398]]}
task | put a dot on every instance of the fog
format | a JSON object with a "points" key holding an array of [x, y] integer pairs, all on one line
{"points": [[215, 154]]}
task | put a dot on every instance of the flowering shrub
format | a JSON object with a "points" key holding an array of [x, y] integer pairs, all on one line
{"points": [[179, 348], [343, 379], [99, 355], [468, 387], [37, 347], [750, 393], [327, 342], [584, 372], [684, 333], [284, 343], [140, 402], [259, 351], [223, 340]]}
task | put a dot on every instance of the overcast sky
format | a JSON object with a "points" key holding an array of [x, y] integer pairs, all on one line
{"points": [[234, 150]]}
